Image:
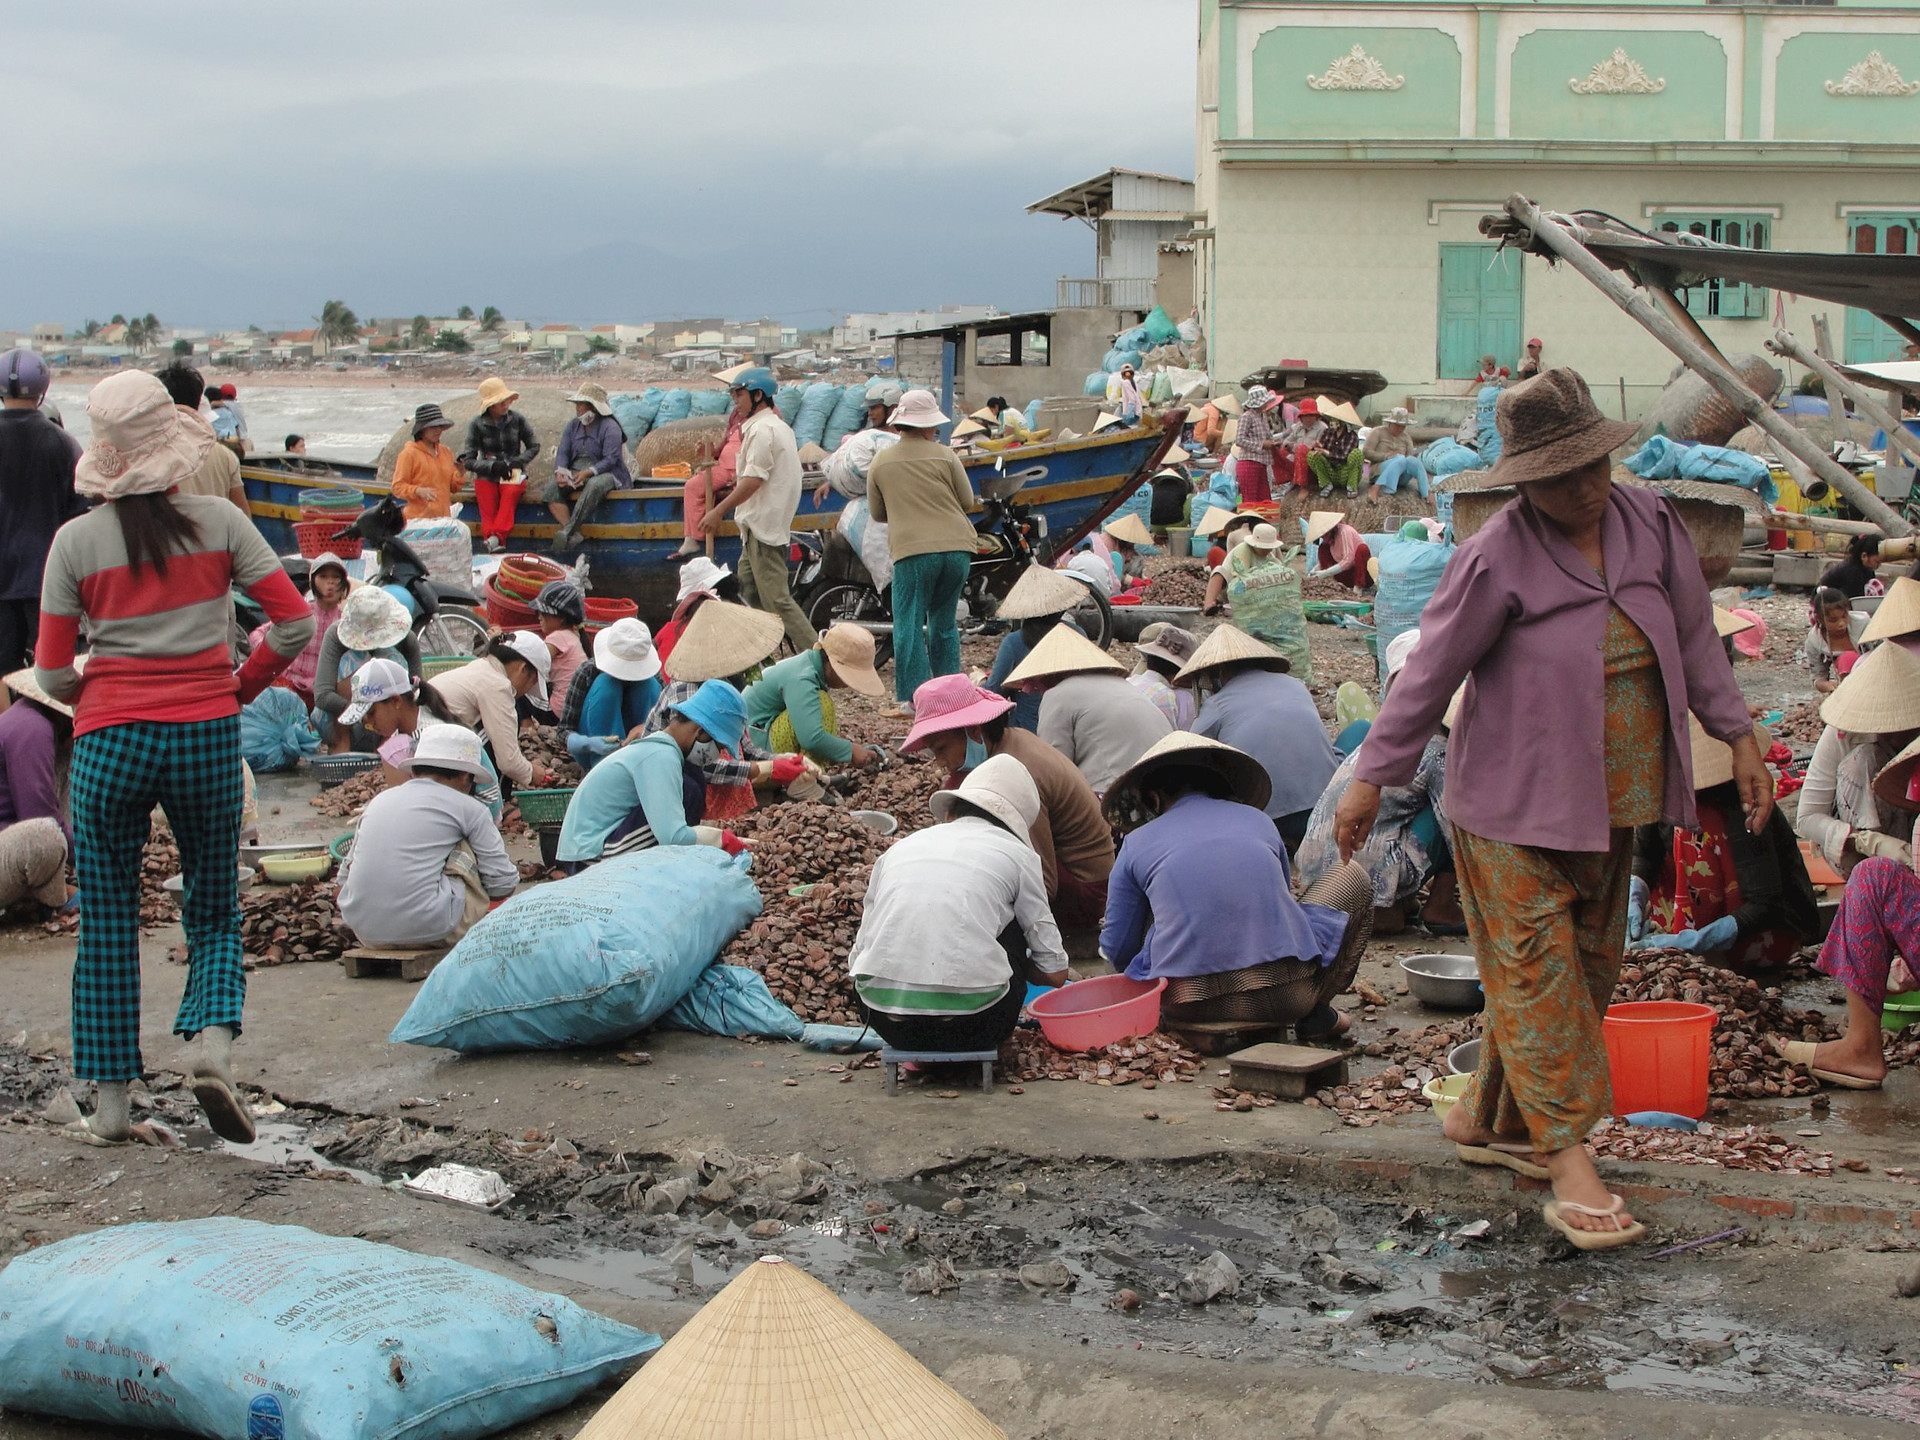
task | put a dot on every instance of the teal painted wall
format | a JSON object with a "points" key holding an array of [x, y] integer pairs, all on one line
{"points": [[1804, 111], [1427, 105], [1693, 106]]}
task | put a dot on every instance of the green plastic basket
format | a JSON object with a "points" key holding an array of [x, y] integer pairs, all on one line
{"points": [[543, 807], [340, 846], [432, 665]]}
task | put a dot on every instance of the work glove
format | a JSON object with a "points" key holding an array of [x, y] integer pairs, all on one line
{"points": [[787, 769], [1887, 847], [1717, 936], [1900, 978], [1638, 894], [731, 843]]}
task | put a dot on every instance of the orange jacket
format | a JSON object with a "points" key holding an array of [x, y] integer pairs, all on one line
{"points": [[424, 480]]}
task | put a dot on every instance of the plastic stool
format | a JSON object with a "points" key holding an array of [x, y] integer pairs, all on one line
{"points": [[893, 1059]]}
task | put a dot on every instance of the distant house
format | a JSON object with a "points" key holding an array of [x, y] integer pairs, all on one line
{"points": [[1131, 213], [858, 331], [47, 331], [299, 345]]}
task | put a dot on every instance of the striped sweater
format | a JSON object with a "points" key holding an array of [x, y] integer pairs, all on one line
{"points": [[159, 643]]}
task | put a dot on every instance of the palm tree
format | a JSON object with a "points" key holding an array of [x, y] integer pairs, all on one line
{"points": [[420, 332], [90, 329], [491, 319], [465, 313], [338, 324], [118, 320]]}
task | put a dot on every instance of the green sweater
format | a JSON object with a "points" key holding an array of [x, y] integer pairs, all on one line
{"points": [[795, 686]]}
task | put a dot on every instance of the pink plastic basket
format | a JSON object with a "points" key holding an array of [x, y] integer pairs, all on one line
{"points": [[1090, 1013]]}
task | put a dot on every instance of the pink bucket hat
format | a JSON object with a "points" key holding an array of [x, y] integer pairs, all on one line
{"points": [[1751, 643], [143, 444], [951, 702]]}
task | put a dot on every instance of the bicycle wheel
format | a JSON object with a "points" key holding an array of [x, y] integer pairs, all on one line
{"points": [[454, 631]]}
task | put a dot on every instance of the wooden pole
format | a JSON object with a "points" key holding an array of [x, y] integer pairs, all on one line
{"points": [[1784, 342], [1562, 243], [1836, 407]]}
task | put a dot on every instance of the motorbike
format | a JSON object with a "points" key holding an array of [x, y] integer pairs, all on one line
{"points": [[447, 619]]}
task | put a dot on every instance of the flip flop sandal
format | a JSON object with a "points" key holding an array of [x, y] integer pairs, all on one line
{"points": [[1515, 1156], [1554, 1211], [83, 1132], [226, 1112], [1801, 1052], [1438, 927]]}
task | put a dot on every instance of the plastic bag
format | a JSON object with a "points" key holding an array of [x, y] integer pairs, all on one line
{"points": [[1160, 327], [1118, 358], [847, 467], [674, 405], [274, 732], [229, 1328], [708, 402], [586, 960], [732, 1000], [1096, 384], [1161, 390], [848, 415], [1664, 459], [816, 411], [445, 547], [1189, 329], [1135, 339], [786, 401]]}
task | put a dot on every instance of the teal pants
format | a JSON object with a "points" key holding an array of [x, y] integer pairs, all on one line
{"points": [[926, 630]]}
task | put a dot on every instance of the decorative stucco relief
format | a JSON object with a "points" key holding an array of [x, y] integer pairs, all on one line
{"points": [[1618, 74], [1356, 70], [1875, 75]]}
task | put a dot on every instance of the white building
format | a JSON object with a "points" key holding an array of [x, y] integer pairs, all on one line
{"points": [[858, 331]]}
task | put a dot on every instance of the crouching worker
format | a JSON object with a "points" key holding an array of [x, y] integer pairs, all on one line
{"points": [[956, 921], [1202, 895], [427, 860], [36, 746], [642, 795]]}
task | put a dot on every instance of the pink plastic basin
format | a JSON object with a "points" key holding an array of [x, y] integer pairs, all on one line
{"points": [[1090, 1013]]}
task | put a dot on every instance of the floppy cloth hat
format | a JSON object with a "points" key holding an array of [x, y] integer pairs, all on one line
{"points": [[719, 709], [1549, 427], [1168, 642], [699, 573], [850, 648], [1246, 777], [951, 702], [1002, 787], [449, 747], [493, 390], [143, 444], [429, 417], [594, 395], [371, 619], [918, 410], [625, 651]]}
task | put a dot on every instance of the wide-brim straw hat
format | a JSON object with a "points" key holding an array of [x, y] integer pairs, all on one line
{"points": [[968, 427], [594, 395], [1230, 645], [723, 639], [1064, 651], [23, 684], [1897, 614], [850, 650], [1247, 779], [1549, 427], [1713, 759], [1130, 530], [983, 415], [1106, 419], [1323, 522], [776, 1355], [1042, 591], [1890, 785], [733, 372], [1727, 624], [1337, 410], [493, 390], [1881, 696]]}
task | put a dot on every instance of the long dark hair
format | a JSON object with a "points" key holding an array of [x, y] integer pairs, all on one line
{"points": [[153, 527], [428, 699]]}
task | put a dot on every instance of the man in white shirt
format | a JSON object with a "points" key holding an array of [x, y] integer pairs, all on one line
{"points": [[427, 861], [762, 502], [956, 921]]}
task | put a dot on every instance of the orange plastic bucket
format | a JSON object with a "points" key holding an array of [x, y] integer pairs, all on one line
{"points": [[1659, 1052]]}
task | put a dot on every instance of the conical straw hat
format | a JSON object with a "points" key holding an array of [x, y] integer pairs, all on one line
{"points": [[1898, 614], [1131, 529], [723, 639], [1228, 645], [1064, 651], [1322, 522], [1881, 696], [778, 1356], [23, 684], [1726, 623], [1213, 521], [1890, 785], [1712, 760], [1246, 776], [1041, 591]]}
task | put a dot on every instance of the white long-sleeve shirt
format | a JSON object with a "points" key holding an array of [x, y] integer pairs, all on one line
{"points": [[1837, 798], [395, 889]]}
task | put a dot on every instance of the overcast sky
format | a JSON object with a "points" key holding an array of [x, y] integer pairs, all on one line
{"points": [[241, 163]]}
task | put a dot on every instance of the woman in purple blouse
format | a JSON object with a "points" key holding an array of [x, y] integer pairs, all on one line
{"points": [[1580, 623]]}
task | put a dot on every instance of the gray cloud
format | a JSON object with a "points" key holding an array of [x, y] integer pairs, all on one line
{"points": [[571, 160]]}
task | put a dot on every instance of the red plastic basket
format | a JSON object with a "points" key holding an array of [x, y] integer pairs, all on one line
{"points": [[505, 612], [602, 611], [319, 537], [521, 577]]}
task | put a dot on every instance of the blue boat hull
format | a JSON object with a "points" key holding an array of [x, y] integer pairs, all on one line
{"points": [[631, 541]]}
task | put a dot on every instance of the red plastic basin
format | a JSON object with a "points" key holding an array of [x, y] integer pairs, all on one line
{"points": [[1659, 1052], [1090, 1013]]}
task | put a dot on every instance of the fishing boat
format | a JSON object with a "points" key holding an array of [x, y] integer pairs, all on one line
{"points": [[1073, 484]]}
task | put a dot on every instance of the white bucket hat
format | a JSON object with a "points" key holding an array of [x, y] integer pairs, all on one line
{"points": [[143, 443], [379, 679], [918, 410], [449, 747], [1399, 415], [532, 649], [700, 573], [1264, 537], [1000, 786], [371, 619], [625, 651]]}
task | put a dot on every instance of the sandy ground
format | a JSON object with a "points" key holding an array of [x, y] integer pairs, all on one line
{"points": [[1785, 1333]]}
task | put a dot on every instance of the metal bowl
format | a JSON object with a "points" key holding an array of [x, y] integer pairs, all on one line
{"points": [[1464, 1059], [177, 884], [1446, 982], [878, 821]]}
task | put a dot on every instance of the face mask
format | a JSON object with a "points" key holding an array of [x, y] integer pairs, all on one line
{"points": [[703, 753], [977, 754]]}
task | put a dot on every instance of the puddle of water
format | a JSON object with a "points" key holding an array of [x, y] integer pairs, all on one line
{"points": [[275, 1143]]}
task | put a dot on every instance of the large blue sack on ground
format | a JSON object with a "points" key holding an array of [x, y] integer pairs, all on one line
{"points": [[1447, 456], [1485, 409], [732, 1000], [1033, 410], [708, 402], [816, 410], [233, 1328], [1096, 385], [274, 732], [786, 400], [848, 416], [674, 405], [1138, 338], [587, 960], [1410, 572], [1118, 358]]}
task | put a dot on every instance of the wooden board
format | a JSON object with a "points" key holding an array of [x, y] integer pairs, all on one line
{"points": [[1291, 1072], [412, 965]]}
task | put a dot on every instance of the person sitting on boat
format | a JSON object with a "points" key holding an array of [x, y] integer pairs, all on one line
{"points": [[955, 924], [398, 707], [426, 474], [1089, 713], [1163, 648], [724, 641], [219, 473], [500, 448], [1250, 702], [226, 424], [1039, 600], [562, 608], [295, 445], [1335, 458], [1828, 640], [590, 464], [1870, 718], [427, 860], [701, 580], [643, 794], [1261, 585], [1228, 936], [1339, 552], [371, 623], [1389, 451], [1123, 396], [790, 710], [484, 694], [846, 472], [713, 476], [621, 694], [1737, 900], [36, 838]]}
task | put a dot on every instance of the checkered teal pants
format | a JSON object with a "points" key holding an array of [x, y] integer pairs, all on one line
{"points": [[192, 771]]}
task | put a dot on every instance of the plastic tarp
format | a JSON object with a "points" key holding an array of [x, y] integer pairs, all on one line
{"points": [[235, 1328], [1662, 458], [274, 732], [816, 412]]}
